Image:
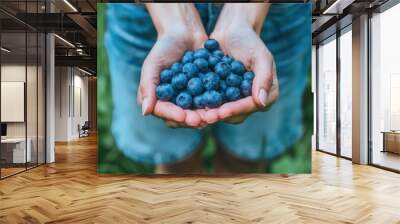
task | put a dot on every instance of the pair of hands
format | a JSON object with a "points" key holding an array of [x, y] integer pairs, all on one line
{"points": [[180, 29]]}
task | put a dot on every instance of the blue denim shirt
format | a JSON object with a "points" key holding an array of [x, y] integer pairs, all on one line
{"points": [[264, 135]]}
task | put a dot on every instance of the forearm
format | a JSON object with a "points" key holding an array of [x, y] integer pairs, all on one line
{"points": [[239, 14], [175, 17]]}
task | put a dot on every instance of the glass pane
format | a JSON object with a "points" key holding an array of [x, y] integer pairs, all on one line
{"points": [[327, 97], [41, 99], [32, 87], [386, 89], [13, 86], [32, 95], [346, 94]]}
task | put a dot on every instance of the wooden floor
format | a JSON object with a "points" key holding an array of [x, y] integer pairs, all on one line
{"points": [[70, 191], [11, 170], [387, 159]]}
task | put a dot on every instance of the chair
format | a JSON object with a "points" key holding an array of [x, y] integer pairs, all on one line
{"points": [[84, 130]]}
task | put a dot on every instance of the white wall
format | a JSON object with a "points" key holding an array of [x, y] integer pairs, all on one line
{"points": [[71, 94], [16, 72]]}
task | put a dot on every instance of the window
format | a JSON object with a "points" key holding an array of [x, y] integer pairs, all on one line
{"points": [[346, 92], [22, 77], [385, 89], [327, 96]]}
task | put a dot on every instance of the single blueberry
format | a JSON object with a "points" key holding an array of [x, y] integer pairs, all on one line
{"points": [[227, 59], [176, 67], [222, 85], [222, 69], [201, 53], [248, 75], [188, 57], [212, 99], [195, 86], [198, 102], [238, 67], [233, 80], [165, 92], [190, 69], [211, 45], [206, 97], [202, 64], [166, 75], [232, 93], [218, 53], [179, 81], [213, 60], [245, 87], [184, 100], [211, 81]]}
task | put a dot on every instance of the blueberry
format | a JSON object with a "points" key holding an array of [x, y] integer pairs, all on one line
{"points": [[202, 64], [223, 96], [202, 75], [212, 99], [211, 81], [232, 93], [218, 53], [233, 80], [198, 101], [166, 75], [179, 81], [248, 75], [238, 67], [213, 60], [227, 59], [222, 69], [211, 45], [176, 67], [195, 86], [165, 92], [188, 57], [184, 100], [245, 87], [190, 69], [222, 85], [201, 53]]}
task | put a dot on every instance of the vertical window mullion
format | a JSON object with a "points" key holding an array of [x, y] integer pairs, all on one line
{"points": [[317, 96], [26, 86], [338, 80]]}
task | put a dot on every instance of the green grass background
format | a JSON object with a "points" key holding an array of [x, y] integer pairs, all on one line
{"points": [[110, 160]]}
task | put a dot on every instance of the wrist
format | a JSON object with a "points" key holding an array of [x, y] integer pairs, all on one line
{"points": [[175, 19], [246, 15]]}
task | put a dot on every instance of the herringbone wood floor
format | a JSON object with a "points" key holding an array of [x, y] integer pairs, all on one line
{"points": [[70, 191]]}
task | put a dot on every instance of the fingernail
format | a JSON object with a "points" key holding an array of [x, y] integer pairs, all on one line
{"points": [[145, 104], [263, 96]]}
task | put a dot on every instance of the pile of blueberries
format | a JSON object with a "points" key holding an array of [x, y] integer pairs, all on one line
{"points": [[205, 78]]}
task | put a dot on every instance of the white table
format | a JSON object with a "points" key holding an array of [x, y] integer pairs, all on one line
{"points": [[18, 144]]}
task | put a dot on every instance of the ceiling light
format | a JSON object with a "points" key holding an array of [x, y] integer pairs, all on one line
{"points": [[70, 5], [5, 50], [64, 40], [84, 71]]}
